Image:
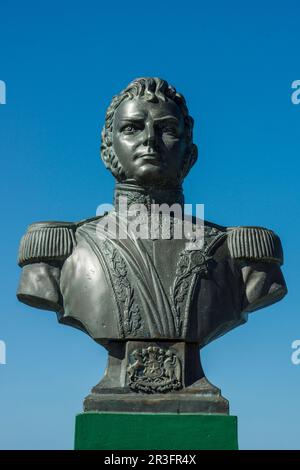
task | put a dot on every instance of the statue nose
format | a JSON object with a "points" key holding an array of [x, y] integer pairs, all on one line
{"points": [[150, 137]]}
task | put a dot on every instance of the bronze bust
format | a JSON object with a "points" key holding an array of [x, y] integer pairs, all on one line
{"points": [[151, 302]]}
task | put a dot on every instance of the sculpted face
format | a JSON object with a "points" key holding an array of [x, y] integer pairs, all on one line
{"points": [[149, 141]]}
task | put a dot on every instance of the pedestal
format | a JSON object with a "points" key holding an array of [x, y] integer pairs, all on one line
{"points": [[155, 377], [149, 431]]}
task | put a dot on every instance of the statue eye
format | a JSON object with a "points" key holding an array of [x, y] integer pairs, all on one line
{"points": [[130, 128], [169, 130]]}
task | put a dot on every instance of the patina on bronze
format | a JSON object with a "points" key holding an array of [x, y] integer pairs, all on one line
{"points": [[152, 303]]}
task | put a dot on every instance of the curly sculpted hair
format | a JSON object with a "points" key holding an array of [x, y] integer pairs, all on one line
{"points": [[153, 90]]}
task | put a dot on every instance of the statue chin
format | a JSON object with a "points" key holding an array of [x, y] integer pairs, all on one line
{"points": [[152, 175]]}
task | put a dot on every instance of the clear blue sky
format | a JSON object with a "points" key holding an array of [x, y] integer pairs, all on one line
{"points": [[62, 62]]}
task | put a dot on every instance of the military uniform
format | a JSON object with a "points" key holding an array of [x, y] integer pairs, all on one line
{"points": [[141, 289]]}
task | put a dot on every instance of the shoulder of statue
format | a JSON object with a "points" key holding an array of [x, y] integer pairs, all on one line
{"points": [[90, 220], [50, 241], [47, 241], [212, 233], [254, 243]]}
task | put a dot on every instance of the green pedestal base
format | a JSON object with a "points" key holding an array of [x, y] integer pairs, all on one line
{"points": [[143, 431]]}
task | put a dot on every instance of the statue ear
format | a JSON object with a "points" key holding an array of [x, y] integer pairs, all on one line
{"points": [[190, 160]]}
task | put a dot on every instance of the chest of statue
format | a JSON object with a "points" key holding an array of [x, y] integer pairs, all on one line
{"points": [[139, 289]]}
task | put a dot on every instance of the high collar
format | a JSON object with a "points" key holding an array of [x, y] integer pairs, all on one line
{"points": [[148, 195]]}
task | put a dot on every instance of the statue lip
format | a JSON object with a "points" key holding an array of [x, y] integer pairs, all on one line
{"points": [[150, 156]]}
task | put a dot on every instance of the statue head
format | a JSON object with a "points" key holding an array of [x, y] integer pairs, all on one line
{"points": [[147, 138]]}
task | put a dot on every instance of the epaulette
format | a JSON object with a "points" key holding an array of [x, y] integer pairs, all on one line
{"points": [[254, 243], [47, 241]]}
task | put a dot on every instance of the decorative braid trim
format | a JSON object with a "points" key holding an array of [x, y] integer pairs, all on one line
{"points": [[255, 243], [47, 241]]}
